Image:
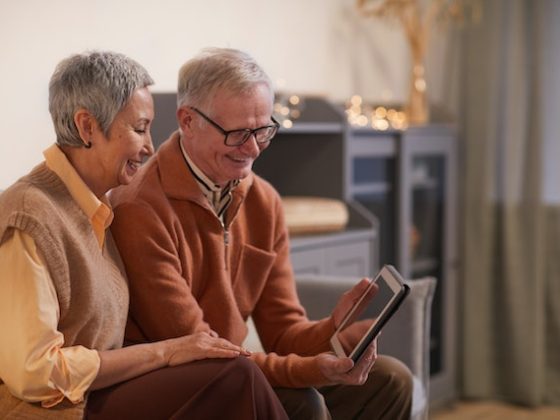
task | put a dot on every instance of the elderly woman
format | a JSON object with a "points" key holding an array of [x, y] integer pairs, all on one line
{"points": [[64, 299]]}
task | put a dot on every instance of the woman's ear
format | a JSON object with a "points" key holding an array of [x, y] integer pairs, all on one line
{"points": [[85, 123]]}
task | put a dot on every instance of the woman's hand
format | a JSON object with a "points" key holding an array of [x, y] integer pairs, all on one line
{"points": [[197, 346], [129, 362]]}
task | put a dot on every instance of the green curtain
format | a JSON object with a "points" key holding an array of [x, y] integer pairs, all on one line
{"points": [[510, 278]]}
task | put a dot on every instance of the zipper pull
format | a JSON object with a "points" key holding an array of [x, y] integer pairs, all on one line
{"points": [[226, 248]]}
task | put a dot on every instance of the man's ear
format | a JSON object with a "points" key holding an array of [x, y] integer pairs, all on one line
{"points": [[185, 119], [86, 124]]}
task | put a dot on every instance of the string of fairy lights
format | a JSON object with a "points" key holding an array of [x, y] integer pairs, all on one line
{"points": [[359, 114], [287, 108], [377, 117]]}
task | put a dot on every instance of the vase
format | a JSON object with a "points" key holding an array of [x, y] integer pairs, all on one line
{"points": [[417, 108]]}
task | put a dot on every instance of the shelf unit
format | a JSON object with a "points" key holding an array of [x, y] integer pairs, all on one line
{"points": [[407, 179]]}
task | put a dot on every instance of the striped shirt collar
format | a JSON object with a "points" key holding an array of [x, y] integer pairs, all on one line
{"points": [[219, 198]]}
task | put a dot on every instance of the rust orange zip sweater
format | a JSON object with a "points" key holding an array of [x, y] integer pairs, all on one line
{"points": [[188, 272]]}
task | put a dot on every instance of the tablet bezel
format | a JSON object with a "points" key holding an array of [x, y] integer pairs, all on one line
{"points": [[400, 290]]}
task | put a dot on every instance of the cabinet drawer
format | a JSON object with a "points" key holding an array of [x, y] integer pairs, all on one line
{"points": [[349, 259], [308, 261], [344, 259]]}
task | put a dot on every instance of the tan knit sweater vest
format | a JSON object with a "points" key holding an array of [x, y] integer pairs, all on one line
{"points": [[89, 282]]}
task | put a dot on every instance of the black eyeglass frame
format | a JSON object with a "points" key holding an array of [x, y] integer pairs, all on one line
{"points": [[248, 131]]}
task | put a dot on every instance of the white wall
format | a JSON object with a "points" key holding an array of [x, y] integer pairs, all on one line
{"points": [[315, 46]]}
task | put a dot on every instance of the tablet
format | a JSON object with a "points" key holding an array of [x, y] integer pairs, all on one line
{"points": [[369, 314]]}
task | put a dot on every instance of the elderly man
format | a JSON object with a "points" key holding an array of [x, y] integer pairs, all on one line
{"points": [[205, 246]]}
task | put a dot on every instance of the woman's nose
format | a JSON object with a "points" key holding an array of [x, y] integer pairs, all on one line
{"points": [[148, 145]]}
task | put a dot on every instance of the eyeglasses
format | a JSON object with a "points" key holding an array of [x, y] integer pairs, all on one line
{"points": [[238, 137]]}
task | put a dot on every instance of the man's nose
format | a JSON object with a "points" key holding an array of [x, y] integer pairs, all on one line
{"points": [[251, 147]]}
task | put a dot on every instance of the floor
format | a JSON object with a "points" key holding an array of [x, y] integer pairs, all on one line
{"points": [[493, 411]]}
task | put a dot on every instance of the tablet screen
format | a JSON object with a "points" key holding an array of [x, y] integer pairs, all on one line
{"points": [[369, 314]]}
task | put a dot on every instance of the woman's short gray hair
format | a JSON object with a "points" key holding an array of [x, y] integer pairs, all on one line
{"points": [[101, 82], [218, 68]]}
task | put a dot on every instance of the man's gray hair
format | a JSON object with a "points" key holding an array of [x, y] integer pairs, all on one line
{"points": [[101, 82], [218, 68]]}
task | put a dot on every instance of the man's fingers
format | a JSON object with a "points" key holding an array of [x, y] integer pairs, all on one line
{"points": [[368, 359]]}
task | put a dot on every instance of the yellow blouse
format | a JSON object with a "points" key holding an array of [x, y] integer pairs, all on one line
{"points": [[34, 365]]}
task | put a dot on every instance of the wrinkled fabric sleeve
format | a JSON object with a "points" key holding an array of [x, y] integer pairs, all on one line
{"points": [[290, 339], [33, 364], [279, 317]]}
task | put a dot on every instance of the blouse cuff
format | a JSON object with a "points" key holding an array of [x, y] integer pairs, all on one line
{"points": [[76, 369]]}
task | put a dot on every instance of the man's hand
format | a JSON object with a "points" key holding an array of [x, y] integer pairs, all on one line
{"points": [[343, 371], [349, 298]]}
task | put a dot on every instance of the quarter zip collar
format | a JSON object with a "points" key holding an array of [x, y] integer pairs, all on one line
{"points": [[179, 183], [219, 198]]}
